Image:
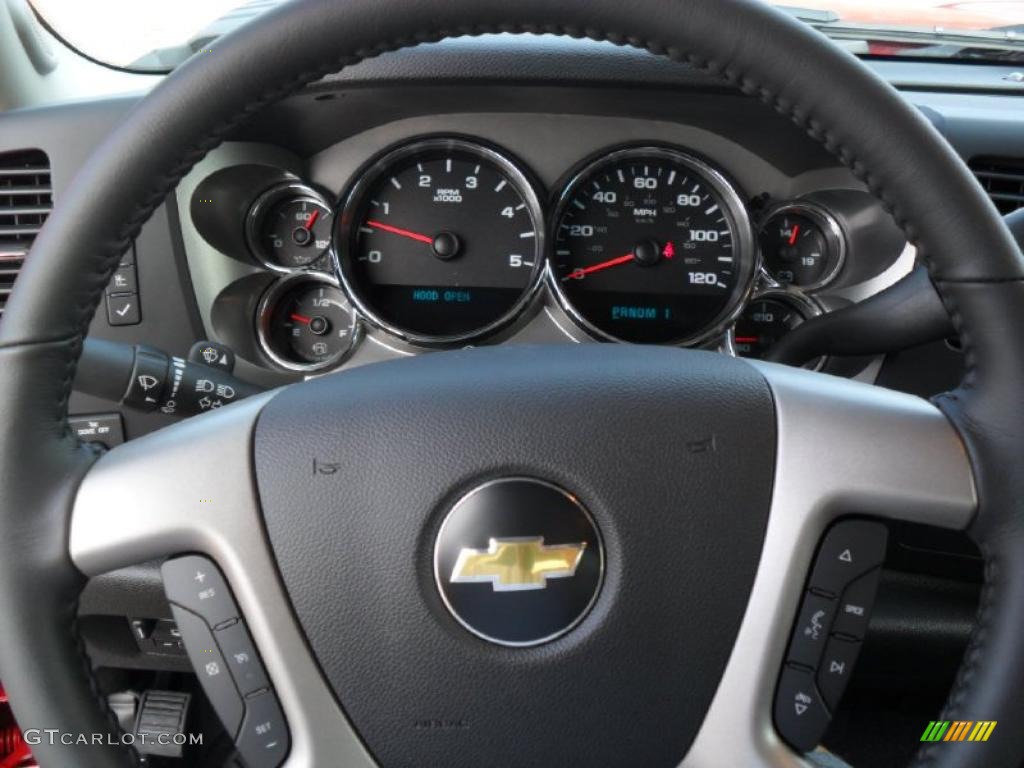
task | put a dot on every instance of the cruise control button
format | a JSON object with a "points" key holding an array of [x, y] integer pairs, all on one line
{"points": [[836, 668], [800, 715], [850, 549], [263, 740], [812, 628], [211, 669], [195, 583], [855, 606], [244, 662]]}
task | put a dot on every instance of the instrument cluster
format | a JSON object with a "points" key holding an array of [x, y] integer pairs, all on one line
{"points": [[446, 241]]}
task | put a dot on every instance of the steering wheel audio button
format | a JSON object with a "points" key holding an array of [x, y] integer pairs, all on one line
{"points": [[851, 548], [800, 714], [847, 564], [855, 606], [812, 629], [836, 668]]}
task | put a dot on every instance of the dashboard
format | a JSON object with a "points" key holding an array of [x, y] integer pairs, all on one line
{"points": [[464, 229], [549, 117], [519, 190], [552, 111]]}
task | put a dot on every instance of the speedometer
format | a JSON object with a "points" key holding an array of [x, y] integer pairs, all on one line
{"points": [[441, 242], [652, 245]]}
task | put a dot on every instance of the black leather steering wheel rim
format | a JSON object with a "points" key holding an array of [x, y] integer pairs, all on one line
{"points": [[973, 261]]}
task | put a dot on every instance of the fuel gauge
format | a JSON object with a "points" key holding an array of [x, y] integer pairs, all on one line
{"points": [[803, 246], [306, 323]]}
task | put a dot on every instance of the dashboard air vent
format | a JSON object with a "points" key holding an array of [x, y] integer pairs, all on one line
{"points": [[25, 201], [1003, 179]]}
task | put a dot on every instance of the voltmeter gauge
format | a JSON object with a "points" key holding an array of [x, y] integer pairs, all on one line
{"points": [[802, 246], [289, 227]]}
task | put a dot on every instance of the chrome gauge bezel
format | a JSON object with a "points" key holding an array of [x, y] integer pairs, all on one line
{"points": [[345, 224], [745, 244], [264, 312], [835, 239], [806, 305], [289, 190]]}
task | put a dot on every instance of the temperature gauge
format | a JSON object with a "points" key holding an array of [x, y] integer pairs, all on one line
{"points": [[767, 319], [289, 227], [803, 246], [306, 324]]}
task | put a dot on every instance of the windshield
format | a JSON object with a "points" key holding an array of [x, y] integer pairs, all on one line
{"points": [[157, 35]]}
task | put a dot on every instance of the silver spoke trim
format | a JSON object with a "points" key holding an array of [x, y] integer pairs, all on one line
{"points": [[191, 488], [843, 448]]}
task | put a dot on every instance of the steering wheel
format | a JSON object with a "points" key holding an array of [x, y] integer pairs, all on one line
{"points": [[709, 479]]}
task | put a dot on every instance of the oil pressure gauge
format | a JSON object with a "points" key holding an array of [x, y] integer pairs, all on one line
{"points": [[802, 246], [289, 227]]}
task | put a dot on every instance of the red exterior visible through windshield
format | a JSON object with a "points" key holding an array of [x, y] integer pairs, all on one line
{"points": [[927, 14]]}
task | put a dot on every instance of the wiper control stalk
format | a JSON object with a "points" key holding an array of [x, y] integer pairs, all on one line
{"points": [[149, 379]]}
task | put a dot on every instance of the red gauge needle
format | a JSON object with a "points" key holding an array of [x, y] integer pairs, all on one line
{"points": [[401, 232], [793, 236], [576, 274], [747, 339], [311, 220], [301, 318]]}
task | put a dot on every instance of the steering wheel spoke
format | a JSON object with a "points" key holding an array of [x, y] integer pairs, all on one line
{"points": [[669, 456], [844, 448], [191, 488]]}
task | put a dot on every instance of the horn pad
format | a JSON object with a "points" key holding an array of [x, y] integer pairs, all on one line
{"points": [[669, 454], [532, 543]]}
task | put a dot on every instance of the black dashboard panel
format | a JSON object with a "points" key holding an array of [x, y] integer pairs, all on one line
{"points": [[317, 118]]}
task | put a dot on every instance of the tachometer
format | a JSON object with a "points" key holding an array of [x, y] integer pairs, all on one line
{"points": [[441, 242], [652, 245]]}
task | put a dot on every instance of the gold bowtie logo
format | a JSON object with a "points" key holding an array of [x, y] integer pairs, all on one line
{"points": [[517, 564]]}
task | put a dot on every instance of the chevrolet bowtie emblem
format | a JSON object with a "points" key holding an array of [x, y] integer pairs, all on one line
{"points": [[517, 564]]}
